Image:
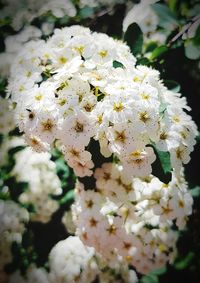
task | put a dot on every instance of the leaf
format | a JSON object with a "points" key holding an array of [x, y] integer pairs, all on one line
{"points": [[172, 85], [151, 46], [117, 64], [191, 51], [86, 12], [159, 271], [167, 18], [173, 5], [68, 197], [143, 61], [196, 39], [162, 166], [16, 149], [195, 191], [198, 137], [151, 278], [183, 263], [158, 52], [134, 38]]}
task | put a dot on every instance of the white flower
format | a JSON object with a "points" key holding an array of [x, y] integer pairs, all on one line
{"points": [[137, 161], [143, 15], [71, 261], [76, 130], [33, 275], [40, 173], [68, 90], [12, 225]]}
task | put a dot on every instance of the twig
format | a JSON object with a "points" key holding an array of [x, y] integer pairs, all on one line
{"points": [[183, 30]]}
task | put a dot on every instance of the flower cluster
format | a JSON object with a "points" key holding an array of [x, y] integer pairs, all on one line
{"points": [[146, 18], [97, 3], [132, 219], [72, 262], [12, 219], [157, 28], [13, 44], [34, 274], [6, 117], [70, 89], [23, 12], [40, 173]]}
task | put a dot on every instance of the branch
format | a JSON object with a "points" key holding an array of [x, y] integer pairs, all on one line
{"points": [[184, 29]]}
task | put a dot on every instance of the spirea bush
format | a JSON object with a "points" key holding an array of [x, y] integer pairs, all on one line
{"points": [[116, 124]]}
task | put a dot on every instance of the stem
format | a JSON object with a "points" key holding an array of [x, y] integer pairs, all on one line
{"points": [[184, 29]]}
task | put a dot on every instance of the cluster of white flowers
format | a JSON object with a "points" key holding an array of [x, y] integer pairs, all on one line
{"points": [[33, 275], [13, 44], [67, 89], [97, 3], [72, 262], [12, 219], [22, 12], [144, 15], [132, 219], [6, 116], [40, 173]]}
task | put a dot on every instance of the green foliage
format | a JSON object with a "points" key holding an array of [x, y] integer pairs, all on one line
{"points": [[86, 12], [117, 64], [191, 51], [69, 197], [183, 263], [23, 254], [143, 61], [172, 85], [151, 46], [167, 18], [158, 52], [62, 169], [196, 39], [150, 278], [153, 277], [134, 38], [195, 192], [2, 87], [162, 166]]}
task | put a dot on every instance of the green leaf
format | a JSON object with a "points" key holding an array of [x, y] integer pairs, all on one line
{"points": [[183, 263], [158, 52], [134, 38], [16, 149], [195, 191], [68, 197], [64, 20], [172, 85], [117, 64], [162, 166], [191, 51], [151, 278], [86, 12], [173, 5], [143, 61], [159, 271], [151, 46], [198, 137], [167, 18], [196, 39], [162, 109]]}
